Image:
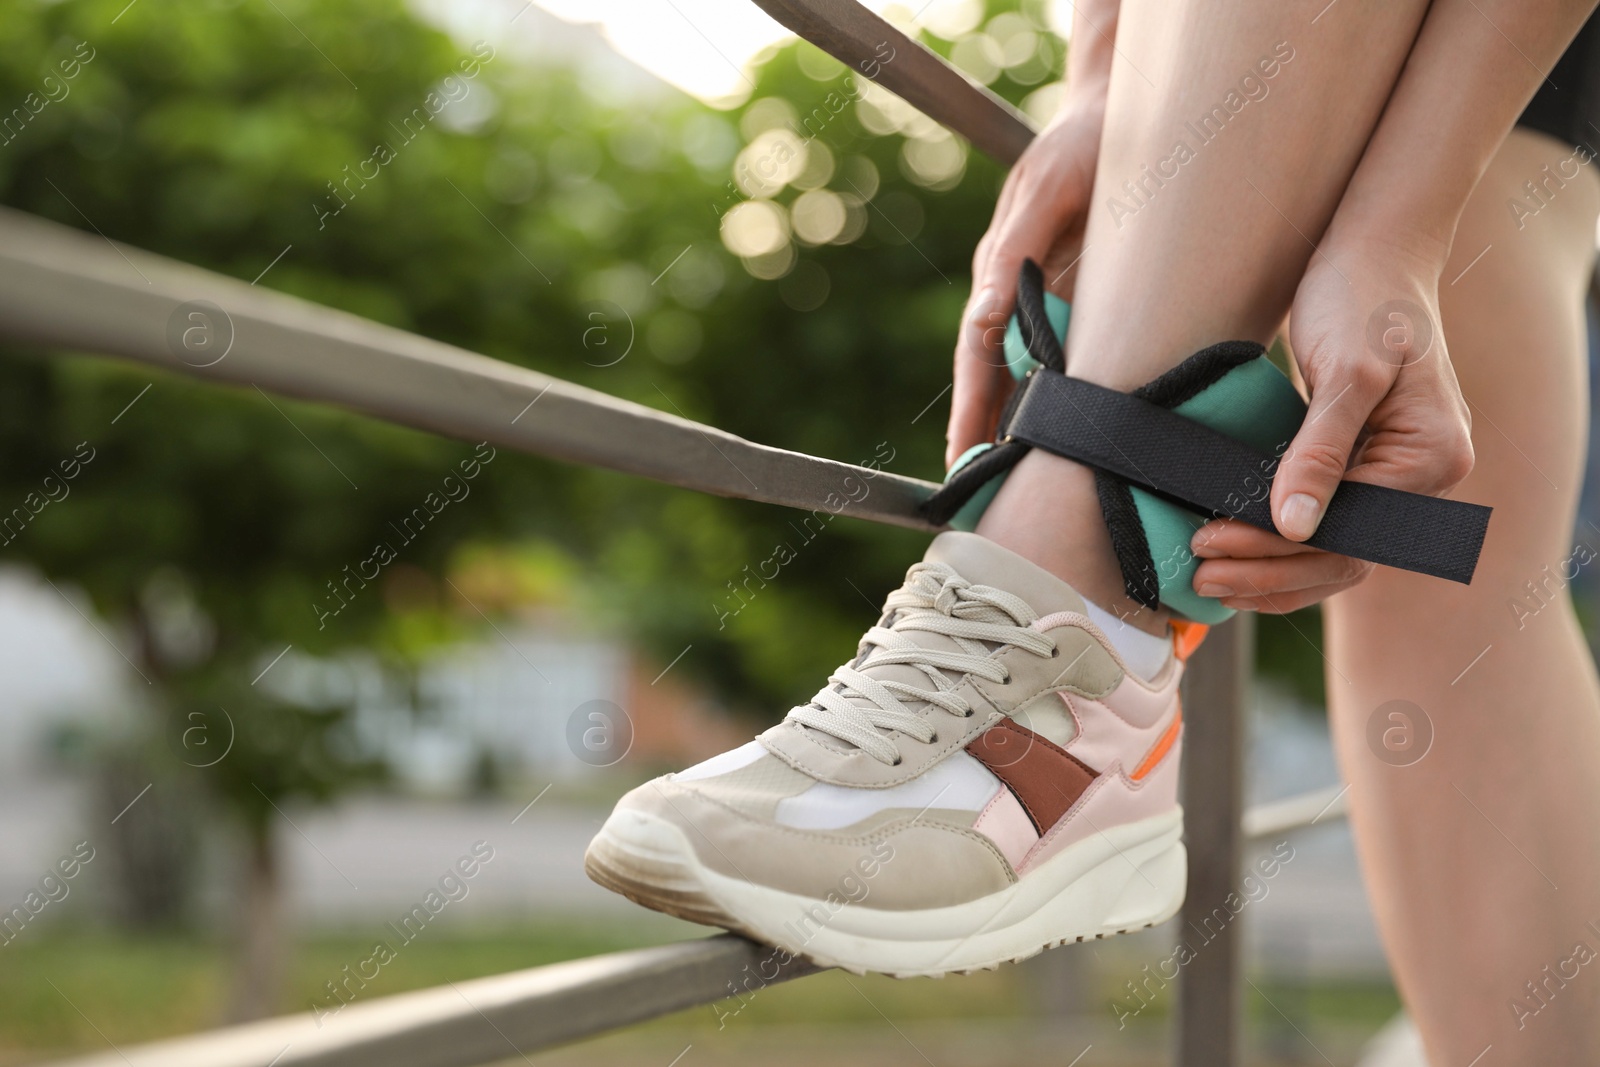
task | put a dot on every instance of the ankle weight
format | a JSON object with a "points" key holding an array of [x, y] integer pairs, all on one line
{"points": [[1152, 473]]}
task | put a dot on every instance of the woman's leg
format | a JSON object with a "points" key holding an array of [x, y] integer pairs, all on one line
{"points": [[1231, 131], [1483, 858]]}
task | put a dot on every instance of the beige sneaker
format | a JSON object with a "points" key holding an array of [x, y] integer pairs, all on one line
{"points": [[984, 780]]}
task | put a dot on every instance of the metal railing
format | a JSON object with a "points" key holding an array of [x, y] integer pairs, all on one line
{"points": [[64, 289], [484, 1020]]}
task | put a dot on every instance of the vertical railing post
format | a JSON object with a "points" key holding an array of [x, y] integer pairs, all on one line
{"points": [[1214, 693]]}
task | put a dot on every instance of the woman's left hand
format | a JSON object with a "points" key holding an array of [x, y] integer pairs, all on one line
{"points": [[1040, 216]]}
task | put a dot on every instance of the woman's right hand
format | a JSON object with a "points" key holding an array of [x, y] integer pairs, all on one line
{"points": [[1040, 216], [1385, 408]]}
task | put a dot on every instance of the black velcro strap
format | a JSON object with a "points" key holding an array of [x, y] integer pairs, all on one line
{"points": [[1198, 468], [1128, 540]]}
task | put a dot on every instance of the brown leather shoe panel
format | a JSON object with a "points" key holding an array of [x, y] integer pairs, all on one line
{"points": [[1046, 779]]}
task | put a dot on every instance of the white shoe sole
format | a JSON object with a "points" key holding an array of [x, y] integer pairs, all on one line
{"points": [[1122, 879]]}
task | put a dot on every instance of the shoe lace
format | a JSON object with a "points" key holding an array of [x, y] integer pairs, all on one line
{"points": [[861, 710]]}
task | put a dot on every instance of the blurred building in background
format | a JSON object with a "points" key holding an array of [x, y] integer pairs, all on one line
{"points": [[483, 727]]}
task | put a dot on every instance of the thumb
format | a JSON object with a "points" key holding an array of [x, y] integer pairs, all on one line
{"points": [[1318, 456]]}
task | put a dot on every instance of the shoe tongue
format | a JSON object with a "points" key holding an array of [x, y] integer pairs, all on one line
{"points": [[982, 562]]}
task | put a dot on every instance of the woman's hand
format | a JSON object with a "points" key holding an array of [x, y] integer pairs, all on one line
{"points": [[1385, 408], [1040, 216]]}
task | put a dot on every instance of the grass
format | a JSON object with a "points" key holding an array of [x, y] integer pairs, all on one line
{"points": [[75, 991]]}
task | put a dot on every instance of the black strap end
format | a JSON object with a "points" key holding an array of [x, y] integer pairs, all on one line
{"points": [[942, 506]]}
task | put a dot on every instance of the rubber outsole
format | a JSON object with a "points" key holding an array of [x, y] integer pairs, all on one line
{"points": [[1128, 878]]}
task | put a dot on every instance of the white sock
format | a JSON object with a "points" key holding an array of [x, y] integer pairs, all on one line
{"points": [[1144, 653]]}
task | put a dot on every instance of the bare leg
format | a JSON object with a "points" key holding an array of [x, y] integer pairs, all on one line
{"points": [[1214, 252], [1483, 858]]}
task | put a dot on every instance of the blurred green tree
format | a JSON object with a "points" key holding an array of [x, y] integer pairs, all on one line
{"points": [[792, 270]]}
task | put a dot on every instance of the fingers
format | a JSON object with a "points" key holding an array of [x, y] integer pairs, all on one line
{"points": [[1277, 576], [1229, 537], [1256, 570], [1342, 397], [980, 374], [1421, 435], [1061, 264], [1041, 207], [1026, 223], [1036, 219], [1283, 603], [981, 386]]}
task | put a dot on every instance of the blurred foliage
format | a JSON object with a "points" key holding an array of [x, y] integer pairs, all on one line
{"points": [[534, 220], [211, 134]]}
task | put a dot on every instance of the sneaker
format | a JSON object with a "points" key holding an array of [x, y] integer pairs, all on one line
{"points": [[986, 779]]}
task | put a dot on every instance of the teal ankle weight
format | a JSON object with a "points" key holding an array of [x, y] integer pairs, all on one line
{"points": [[1253, 402]]}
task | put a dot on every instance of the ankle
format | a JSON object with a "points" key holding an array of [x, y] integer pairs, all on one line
{"points": [[1048, 513]]}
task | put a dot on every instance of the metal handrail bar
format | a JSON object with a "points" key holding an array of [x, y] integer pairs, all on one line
{"points": [[482, 1020], [867, 43], [487, 1019], [1276, 818], [66, 289]]}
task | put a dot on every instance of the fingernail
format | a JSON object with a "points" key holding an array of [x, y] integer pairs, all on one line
{"points": [[1214, 589], [1201, 546], [1299, 516], [982, 303]]}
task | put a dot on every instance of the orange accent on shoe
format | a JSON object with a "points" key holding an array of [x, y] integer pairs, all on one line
{"points": [[1162, 747], [1187, 636]]}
